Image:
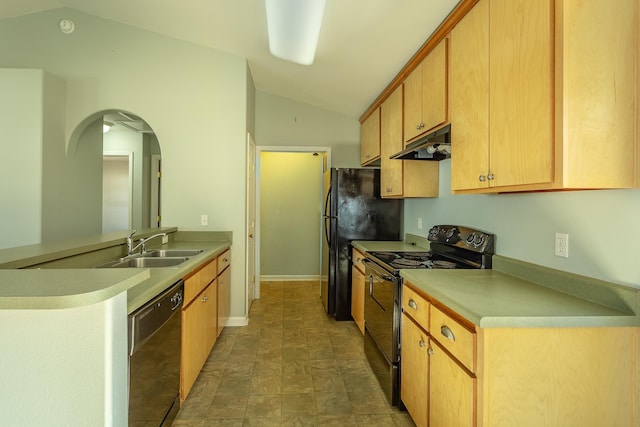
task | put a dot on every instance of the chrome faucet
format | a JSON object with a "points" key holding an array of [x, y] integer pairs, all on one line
{"points": [[141, 244], [130, 242]]}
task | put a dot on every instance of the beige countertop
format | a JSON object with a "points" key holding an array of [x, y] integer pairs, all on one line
{"points": [[367, 245], [55, 288], [489, 298], [518, 294]]}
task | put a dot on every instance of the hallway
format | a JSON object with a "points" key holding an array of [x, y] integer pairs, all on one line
{"points": [[291, 366]]}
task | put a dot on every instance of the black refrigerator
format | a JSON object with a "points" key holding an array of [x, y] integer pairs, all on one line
{"points": [[353, 210]]}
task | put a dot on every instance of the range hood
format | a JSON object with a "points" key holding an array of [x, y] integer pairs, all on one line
{"points": [[433, 146]]}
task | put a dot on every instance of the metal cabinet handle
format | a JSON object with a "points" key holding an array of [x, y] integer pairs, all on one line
{"points": [[482, 178], [421, 343], [430, 351], [447, 332], [413, 304], [205, 298], [491, 177]]}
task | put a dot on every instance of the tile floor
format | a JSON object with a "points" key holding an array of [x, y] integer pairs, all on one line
{"points": [[291, 366]]}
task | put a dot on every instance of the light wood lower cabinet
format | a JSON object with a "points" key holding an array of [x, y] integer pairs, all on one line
{"points": [[357, 289], [414, 373], [454, 373], [198, 336], [207, 301]]}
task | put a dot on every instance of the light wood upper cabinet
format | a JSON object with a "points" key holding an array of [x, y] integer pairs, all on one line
{"points": [[538, 104], [370, 139], [425, 103], [402, 178]]}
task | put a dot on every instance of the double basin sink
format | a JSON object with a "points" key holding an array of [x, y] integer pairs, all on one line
{"points": [[156, 258]]}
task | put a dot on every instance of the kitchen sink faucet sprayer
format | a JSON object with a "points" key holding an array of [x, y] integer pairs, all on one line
{"points": [[131, 249]]}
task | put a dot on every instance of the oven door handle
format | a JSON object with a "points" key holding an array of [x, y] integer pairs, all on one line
{"points": [[371, 294], [379, 271]]}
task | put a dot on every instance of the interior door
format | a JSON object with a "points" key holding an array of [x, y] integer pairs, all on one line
{"points": [[251, 220]]}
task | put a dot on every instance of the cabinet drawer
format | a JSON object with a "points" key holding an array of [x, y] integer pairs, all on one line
{"points": [[356, 257], [224, 260], [454, 337], [416, 306], [196, 283]]}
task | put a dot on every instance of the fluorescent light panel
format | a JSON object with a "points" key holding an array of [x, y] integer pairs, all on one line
{"points": [[294, 28]]}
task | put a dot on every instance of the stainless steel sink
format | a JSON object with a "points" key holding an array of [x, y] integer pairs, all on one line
{"points": [[145, 262], [163, 253]]}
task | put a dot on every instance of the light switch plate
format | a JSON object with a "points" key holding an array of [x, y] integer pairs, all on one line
{"points": [[204, 219]]}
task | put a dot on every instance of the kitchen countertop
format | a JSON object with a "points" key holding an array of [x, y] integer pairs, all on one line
{"points": [[489, 298], [53, 288], [518, 294], [372, 246]]}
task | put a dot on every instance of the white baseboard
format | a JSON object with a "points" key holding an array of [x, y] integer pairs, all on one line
{"points": [[237, 321], [289, 278]]}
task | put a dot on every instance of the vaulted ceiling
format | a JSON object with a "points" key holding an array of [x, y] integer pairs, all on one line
{"points": [[363, 43]]}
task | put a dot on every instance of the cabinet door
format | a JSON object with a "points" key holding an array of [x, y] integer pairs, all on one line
{"points": [[224, 299], [520, 102], [413, 104], [357, 297], [434, 87], [370, 138], [391, 143], [451, 391], [414, 377], [469, 99], [198, 336]]}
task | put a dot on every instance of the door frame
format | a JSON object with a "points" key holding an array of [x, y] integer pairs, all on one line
{"points": [[326, 151]]}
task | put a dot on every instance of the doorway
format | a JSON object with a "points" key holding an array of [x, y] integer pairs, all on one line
{"points": [[282, 253], [117, 182]]}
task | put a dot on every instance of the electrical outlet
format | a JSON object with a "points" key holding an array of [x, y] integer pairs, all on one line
{"points": [[204, 219], [419, 223], [165, 239], [562, 245]]}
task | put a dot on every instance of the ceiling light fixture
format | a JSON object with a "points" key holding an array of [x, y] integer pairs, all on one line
{"points": [[106, 126], [294, 28]]}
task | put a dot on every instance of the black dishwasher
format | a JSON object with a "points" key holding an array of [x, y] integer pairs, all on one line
{"points": [[154, 359]]}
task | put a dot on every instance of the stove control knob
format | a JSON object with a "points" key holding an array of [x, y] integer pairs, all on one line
{"points": [[450, 233], [470, 238], [433, 232], [478, 239]]}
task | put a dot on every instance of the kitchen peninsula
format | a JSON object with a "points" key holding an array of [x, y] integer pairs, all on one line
{"points": [[64, 324]]}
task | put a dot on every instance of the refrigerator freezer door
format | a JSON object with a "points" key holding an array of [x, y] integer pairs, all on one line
{"points": [[354, 211]]}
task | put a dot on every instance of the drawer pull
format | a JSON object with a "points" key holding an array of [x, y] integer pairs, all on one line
{"points": [[421, 343], [413, 304], [430, 351], [447, 332], [205, 298]]}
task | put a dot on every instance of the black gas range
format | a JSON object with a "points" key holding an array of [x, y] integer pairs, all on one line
{"points": [[451, 247]]}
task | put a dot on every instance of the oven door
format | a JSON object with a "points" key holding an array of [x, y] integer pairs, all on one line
{"points": [[380, 309], [381, 329]]}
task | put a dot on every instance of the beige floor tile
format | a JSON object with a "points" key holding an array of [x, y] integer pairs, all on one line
{"points": [[264, 406], [291, 366]]}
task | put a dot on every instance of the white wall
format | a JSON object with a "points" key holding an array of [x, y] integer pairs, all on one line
{"points": [[21, 162], [603, 226], [283, 122], [195, 99], [290, 205]]}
